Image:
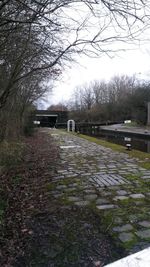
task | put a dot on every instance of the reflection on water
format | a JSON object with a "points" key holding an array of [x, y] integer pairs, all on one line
{"points": [[136, 143]]}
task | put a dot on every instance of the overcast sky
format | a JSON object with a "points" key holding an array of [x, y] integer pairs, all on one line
{"points": [[87, 69], [134, 61]]}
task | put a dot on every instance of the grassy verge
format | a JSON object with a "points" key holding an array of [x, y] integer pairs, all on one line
{"points": [[10, 156], [142, 156]]}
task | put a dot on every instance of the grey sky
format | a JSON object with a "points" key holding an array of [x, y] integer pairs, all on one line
{"points": [[133, 59], [130, 62]]}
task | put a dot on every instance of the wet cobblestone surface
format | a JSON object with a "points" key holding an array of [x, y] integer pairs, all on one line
{"points": [[112, 183]]}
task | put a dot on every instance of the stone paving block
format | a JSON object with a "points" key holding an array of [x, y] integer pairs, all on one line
{"points": [[136, 196], [61, 171], [69, 146], [59, 187], [82, 203], [122, 192], [118, 220], [74, 199], [107, 194], [144, 234], [133, 218], [145, 224], [146, 177], [126, 237], [91, 197], [86, 174], [101, 173], [100, 201], [122, 172], [105, 207], [123, 228], [58, 177], [58, 195], [146, 173], [71, 175], [111, 167], [132, 165], [139, 202], [72, 185], [54, 134], [70, 189], [120, 198], [90, 191]]}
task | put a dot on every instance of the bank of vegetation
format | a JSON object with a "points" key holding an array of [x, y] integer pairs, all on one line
{"points": [[122, 98]]}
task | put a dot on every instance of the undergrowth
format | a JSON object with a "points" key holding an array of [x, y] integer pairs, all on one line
{"points": [[10, 153]]}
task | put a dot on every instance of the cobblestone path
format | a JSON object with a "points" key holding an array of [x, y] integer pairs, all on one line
{"points": [[111, 183]]}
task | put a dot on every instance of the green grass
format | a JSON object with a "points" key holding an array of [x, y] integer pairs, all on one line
{"points": [[133, 153], [103, 143], [145, 165], [133, 177]]}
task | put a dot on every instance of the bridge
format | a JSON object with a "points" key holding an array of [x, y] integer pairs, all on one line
{"points": [[48, 118]]}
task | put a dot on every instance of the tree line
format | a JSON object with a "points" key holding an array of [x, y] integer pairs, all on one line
{"points": [[37, 39], [122, 98]]}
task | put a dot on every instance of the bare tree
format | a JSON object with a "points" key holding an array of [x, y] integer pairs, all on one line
{"points": [[103, 101], [39, 37], [100, 91], [121, 87], [56, 41]]}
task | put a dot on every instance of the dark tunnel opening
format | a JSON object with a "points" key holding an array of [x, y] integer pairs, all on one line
{"points": [[47, 121]]}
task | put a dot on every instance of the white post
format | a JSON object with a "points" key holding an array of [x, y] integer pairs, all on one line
{"points": [[70, 125]]}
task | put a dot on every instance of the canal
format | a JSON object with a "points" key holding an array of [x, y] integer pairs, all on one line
{"points": [[137, 143]]}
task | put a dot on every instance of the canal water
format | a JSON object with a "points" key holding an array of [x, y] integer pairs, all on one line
{"points": [[136, 143]]}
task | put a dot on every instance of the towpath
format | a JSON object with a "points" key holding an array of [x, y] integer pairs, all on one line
{"points": [[114, 185]]}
